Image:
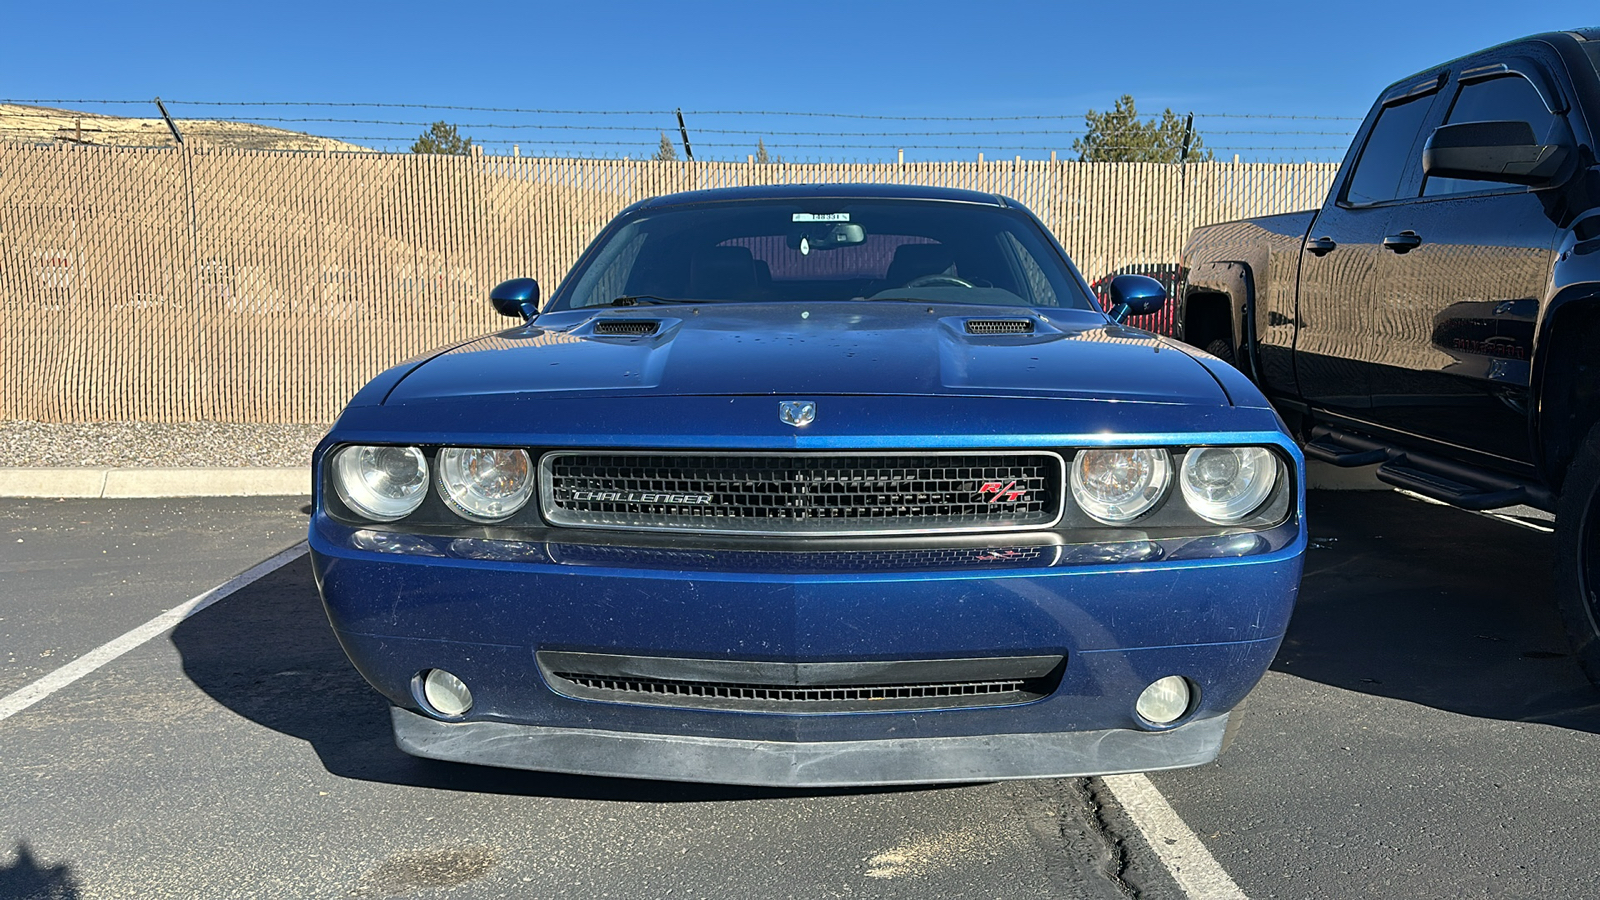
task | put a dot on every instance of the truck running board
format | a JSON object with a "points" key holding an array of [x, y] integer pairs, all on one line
{"points": [[1328, 446], [1431, 476]]}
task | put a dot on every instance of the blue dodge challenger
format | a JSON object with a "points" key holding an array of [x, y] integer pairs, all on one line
{"points": [[811, 486]]}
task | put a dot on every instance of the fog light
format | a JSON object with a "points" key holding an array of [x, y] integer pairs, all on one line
{"points": [[446, 694], [1165, 700]]}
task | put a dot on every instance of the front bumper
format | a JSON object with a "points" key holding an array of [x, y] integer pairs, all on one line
{"points": [[1216, 622], [809, 764]]}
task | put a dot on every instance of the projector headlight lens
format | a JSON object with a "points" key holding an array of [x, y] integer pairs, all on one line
{"points": [[1224, 485], [485, 484], [381, 483], [1116, 486]]}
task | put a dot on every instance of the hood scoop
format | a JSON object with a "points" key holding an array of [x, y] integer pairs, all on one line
{"points": [[999, 326], [626, 328]]}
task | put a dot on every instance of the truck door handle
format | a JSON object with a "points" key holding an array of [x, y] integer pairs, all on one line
{"points": [[1321, 246], [1404, 242]]}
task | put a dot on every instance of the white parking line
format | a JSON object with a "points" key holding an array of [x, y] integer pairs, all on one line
{"points": [[1190, 863], [19, 700]]}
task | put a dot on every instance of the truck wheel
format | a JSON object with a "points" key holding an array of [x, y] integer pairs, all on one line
{"points": [[1221, 349], [1577, 564]]}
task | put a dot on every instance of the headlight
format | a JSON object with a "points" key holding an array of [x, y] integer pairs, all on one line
{"points": [[485, 485], [1116, 486], [381, 483], [1224, 485]]}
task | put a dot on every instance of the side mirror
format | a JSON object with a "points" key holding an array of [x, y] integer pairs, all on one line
{"points": [[1492, 151], [518, 298], [1135, 295]]}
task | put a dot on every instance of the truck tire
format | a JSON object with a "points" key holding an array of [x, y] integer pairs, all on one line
{"points": [[1222, 349], [1577, 563]]}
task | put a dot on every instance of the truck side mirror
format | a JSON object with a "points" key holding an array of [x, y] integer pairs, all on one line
{"points": [[1505, 152], [518, 298], [1135, 295]]}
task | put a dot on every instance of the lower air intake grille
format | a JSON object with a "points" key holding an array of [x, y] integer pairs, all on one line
{"points": [[803, 560], [798, 688], [999, 326], [786, 493], [705, 690]]}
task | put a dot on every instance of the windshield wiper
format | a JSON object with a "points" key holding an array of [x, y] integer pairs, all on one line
{"points": [[652, 299]]}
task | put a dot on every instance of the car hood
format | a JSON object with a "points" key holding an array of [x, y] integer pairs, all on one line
{"points": [[851, 348]]}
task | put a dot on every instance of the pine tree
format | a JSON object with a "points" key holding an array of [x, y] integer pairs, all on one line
{"points": [[442, 138], [1119, 136], [666, 151]]}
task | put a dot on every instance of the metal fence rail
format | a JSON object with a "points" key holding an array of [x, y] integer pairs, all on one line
{"points": [[245, 286]]}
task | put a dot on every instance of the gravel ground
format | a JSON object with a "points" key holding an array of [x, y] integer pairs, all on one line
{"points": [[155, 445]]}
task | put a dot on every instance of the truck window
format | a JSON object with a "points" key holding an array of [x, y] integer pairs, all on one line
{"points": [[1387, 160], [1504, 99]]}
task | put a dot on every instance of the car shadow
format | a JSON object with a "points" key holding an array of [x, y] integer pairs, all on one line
{"points": [[266, 653], [26, 878], [1435, 606]]}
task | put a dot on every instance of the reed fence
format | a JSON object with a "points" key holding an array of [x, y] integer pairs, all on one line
{"points": [[197, 284]]}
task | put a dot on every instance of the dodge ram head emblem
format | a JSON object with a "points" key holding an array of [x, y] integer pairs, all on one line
{"points": [[797, 412]]}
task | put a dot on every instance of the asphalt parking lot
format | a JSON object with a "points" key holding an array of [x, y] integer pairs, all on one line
{"points": [[1422, 734]]}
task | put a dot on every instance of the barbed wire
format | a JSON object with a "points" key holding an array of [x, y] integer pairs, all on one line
{"points": [[663, 112], [392, 139], [526, 126], [590, 138]]}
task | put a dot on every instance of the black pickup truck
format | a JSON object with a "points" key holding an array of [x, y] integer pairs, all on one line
{"points": [[1440, 314]]}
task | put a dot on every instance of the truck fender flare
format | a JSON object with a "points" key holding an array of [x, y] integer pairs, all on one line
{"points": [[1234, 280], [1565, 394]]}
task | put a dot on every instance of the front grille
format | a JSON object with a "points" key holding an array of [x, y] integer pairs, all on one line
{"points": [[804, 561], [824, 688], [999, 326], [629, 328], [777, 493]]}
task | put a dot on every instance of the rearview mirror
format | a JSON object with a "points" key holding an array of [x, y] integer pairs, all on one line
{"points": [[1505, 152], [518, 298], [1135, 295], [826, 237]]}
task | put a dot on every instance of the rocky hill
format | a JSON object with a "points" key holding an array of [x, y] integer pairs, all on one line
{"points": [[42, 125]]}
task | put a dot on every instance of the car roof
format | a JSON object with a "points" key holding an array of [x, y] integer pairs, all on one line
{"points": [[819, 191]]}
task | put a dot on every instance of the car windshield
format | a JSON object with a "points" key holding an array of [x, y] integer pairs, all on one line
{"points": [[1593, 49], [815, 250]]}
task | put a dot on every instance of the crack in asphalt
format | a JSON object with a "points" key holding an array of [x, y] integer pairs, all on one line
{"points": [[1113, 856]]}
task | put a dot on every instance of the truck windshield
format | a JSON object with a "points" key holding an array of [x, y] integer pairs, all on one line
{"points": [[812, 250]]}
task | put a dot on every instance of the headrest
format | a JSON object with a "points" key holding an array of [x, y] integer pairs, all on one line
{"points": [[722, 273], [913, 261]]}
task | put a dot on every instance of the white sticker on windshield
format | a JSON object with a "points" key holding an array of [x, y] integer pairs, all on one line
{"points": [[821, 217]]}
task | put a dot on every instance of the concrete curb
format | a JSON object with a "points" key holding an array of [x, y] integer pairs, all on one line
{"points": [[129, 483]]}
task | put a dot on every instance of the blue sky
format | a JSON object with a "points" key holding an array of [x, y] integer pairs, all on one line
{"points": [[930, 58]]}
